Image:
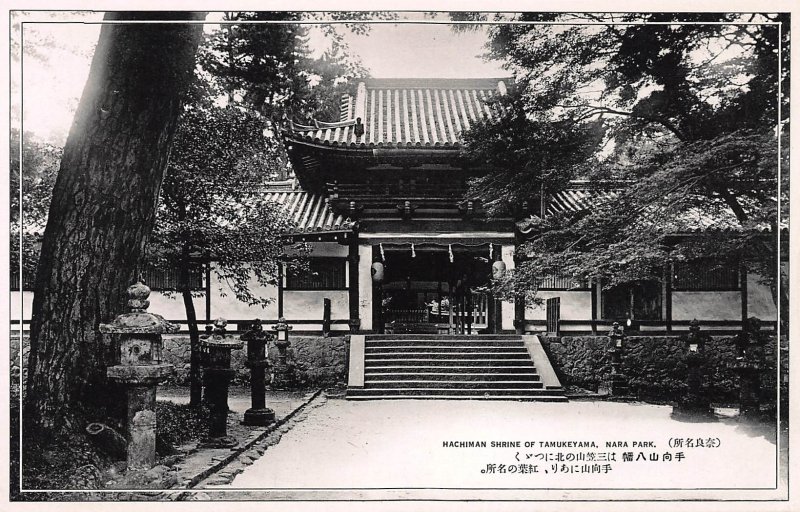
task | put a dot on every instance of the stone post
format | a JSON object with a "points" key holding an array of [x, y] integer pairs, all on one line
{"points": [[694, 403], [217, 377], [257, 340], [748, 366], [140, 370]]}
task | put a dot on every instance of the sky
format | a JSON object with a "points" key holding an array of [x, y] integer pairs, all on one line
{"points": [[53, 82]]}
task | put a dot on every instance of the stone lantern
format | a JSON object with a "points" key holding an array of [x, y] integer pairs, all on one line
{"points": [[257, 340], [617, 381], [749, 364], [140, 370], [283, 371], [694, 403], [217, 376]]}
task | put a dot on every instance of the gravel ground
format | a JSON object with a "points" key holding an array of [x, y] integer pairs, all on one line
{"points": [[393, 449], [282, 402]]}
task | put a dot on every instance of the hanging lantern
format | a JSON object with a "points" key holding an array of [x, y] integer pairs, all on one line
{"points": [[377, 272], [498, 270], [450, 252], [491, 252], [413, 253]]}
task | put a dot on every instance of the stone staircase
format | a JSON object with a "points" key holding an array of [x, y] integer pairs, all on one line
{"points": [[420, 366]]}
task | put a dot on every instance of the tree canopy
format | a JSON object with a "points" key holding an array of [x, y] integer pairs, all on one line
{"points": [[676, 115]]}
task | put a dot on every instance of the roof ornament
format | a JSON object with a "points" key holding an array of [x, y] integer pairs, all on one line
{"points": [[359, 128]]}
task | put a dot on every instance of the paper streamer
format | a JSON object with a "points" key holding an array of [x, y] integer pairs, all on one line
{"points": [[413, 254], [383, 256], [450, 251]]}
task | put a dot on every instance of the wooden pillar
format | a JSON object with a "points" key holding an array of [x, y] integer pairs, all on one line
{"points": [[470, 310], [450, 306], [493, 319], [519, 307], [743, 288], [519, 314], [352, 284], [593, 286], [668, 296], [208, 291], [326, 317], [377, 298], [280, 289]]}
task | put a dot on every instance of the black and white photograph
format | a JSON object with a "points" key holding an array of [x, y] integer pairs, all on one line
{"points": [[399, 259]]}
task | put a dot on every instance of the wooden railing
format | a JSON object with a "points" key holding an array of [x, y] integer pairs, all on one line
{"points": [[464, 316]]}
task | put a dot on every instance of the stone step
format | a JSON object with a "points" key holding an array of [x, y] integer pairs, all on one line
{"points": [[441, 366], [444, 343], [519, 398], [463, 376], [461, 361], [457, 337], [504, 354], [450, 367], [519, 349], [444, 391], [449, 384]]}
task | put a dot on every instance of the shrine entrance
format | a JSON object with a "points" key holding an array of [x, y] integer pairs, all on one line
{"points": [[434, 289]]}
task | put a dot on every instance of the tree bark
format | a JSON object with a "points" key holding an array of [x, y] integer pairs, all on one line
{"points": [[102, 211]]}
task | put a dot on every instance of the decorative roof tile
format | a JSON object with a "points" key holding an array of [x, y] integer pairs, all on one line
{"points": [[407, 113]]}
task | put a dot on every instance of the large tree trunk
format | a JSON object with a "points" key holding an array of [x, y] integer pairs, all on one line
{"points": [[102, 211]]}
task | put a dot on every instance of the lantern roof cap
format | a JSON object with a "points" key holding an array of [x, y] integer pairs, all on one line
{"points": [[138, 321], [219, 338]]}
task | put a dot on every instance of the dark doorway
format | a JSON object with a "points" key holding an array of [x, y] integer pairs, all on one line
{"points": [[640, 301], [425, 292]]}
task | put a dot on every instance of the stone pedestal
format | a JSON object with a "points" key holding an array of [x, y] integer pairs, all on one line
{"points": [[616, 383], [258, 414], [283, 371], [749, 365], [140, 370], [749, 373], [694, 403], [217, 376], [283, 375]]}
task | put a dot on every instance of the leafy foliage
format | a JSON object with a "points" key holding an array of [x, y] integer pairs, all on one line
{"points": [[270, 68], [212, 204], [179, 424], [680, 120], [40, 163]]}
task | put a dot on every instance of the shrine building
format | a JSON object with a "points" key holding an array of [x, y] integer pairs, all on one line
{"points": [[379, 196]]}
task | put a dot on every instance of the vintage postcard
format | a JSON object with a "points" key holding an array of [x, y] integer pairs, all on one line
{"points": [[422, 258]]}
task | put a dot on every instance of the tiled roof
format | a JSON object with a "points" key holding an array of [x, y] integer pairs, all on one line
{"points": [[310, 212], [407, 113], [575, 200]]}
